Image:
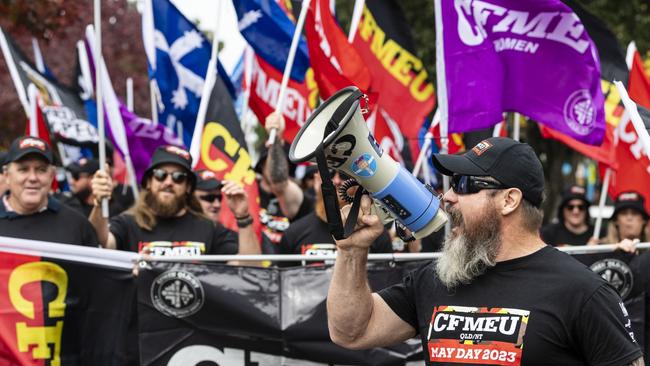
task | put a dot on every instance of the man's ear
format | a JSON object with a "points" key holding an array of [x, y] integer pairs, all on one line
{"points": [[512, 198]]}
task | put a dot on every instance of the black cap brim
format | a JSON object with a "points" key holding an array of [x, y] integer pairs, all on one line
{"points": [[33, 152], [455, 164], [633, 205]]}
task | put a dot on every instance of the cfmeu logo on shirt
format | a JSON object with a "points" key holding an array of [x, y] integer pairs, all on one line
{"points": [[491, 336]]}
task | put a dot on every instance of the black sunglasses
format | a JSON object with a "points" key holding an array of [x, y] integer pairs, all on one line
{"points": [[580, 207], [177, 177], [467, 184], [210, 197]]}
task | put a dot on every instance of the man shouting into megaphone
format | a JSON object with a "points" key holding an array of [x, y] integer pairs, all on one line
{"points": [[498, 295]]}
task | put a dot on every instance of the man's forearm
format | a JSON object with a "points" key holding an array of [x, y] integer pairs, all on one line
{"points": [[278, 165], [638, 362], [349, 300], [100, 224]]}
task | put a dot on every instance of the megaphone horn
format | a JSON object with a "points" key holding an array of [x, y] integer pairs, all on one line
{"points": [[336, 136]]}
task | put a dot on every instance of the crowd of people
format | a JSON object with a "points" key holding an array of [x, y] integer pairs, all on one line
{"points": [[178, 210], [496, 242]]}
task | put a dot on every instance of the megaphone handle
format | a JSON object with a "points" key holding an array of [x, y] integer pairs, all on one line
{"points": [[351, 221]]}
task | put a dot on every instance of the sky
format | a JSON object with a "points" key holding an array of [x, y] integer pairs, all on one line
{"points": [[206, 12]]}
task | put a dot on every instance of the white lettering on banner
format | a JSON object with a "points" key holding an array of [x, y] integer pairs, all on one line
{"points": [[148, 130], [503, 44], [196, 354], [450, 322], [630, 137], [65, 123], [268, 89], [473, 17]]}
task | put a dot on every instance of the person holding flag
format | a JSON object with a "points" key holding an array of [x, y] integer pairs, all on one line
{"points": [[629, 222], [166, 220], [27, 210]]}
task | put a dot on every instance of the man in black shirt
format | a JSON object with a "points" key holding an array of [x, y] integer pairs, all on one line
{"points": [[166, 219], [573, 227], [310, 235], [498, 295], [26, 210], [80, 196]]}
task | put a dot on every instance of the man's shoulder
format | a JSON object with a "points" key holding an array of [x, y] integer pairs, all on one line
{"points": [[560, 264]]}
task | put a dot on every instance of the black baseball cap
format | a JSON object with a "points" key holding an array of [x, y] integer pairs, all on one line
{"points": [[512, 163], [84, 165], [27, 145], [206, 180], [170, 154], [630, 199]]}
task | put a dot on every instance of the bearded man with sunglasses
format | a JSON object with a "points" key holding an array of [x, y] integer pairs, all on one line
{"points": [[167, 218], [498, 295]]}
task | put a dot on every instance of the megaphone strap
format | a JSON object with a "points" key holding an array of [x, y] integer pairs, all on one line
{"points": [[341, 111]]}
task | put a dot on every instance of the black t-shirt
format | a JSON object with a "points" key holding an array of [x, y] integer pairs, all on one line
{"points": [[310, 235], [557, 234], [58, 223], [274, 222], [541, 309], [118, 203], [177, 236]]}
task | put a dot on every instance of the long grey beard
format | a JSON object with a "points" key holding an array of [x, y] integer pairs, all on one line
{"points": [[469, 254]]}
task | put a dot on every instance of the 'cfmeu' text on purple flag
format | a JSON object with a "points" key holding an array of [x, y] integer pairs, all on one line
{"points": [[526, 56]]}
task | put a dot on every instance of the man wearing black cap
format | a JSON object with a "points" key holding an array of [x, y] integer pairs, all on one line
{"points": [[27, 210], [80, 196], [209, 191], [497, 295], [166, 219], [573, 226]]}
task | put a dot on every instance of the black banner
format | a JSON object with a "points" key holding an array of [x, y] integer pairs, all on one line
{"points": [[70, 305]]}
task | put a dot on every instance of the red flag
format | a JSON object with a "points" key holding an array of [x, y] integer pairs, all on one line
{"points": [[604, 153], [300, 100], [638, 85], [335, 62], [383, 41], [634, 172], [36, 127]]}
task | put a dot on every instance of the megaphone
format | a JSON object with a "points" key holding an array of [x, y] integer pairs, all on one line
{"points": [[336, 136]]}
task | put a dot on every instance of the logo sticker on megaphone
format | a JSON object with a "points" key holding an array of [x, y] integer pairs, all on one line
{"points": [[336, 135]]}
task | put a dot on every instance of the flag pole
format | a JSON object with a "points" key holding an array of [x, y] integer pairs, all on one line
{"points": [[516, 126], [98, 94], [129, 94], [153, 87], [208, 85], [289, 65], [32, 91], [601, 202], [428, 140], [356, 18]]}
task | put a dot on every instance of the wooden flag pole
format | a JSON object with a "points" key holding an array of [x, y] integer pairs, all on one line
{"points": [[289, 65]]}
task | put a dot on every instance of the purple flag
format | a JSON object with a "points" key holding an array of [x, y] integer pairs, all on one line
{"points": [[528, 56]]}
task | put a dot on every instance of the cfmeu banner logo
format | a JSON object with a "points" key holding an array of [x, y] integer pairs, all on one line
{"points": [[58, 311], [33, 308]]}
